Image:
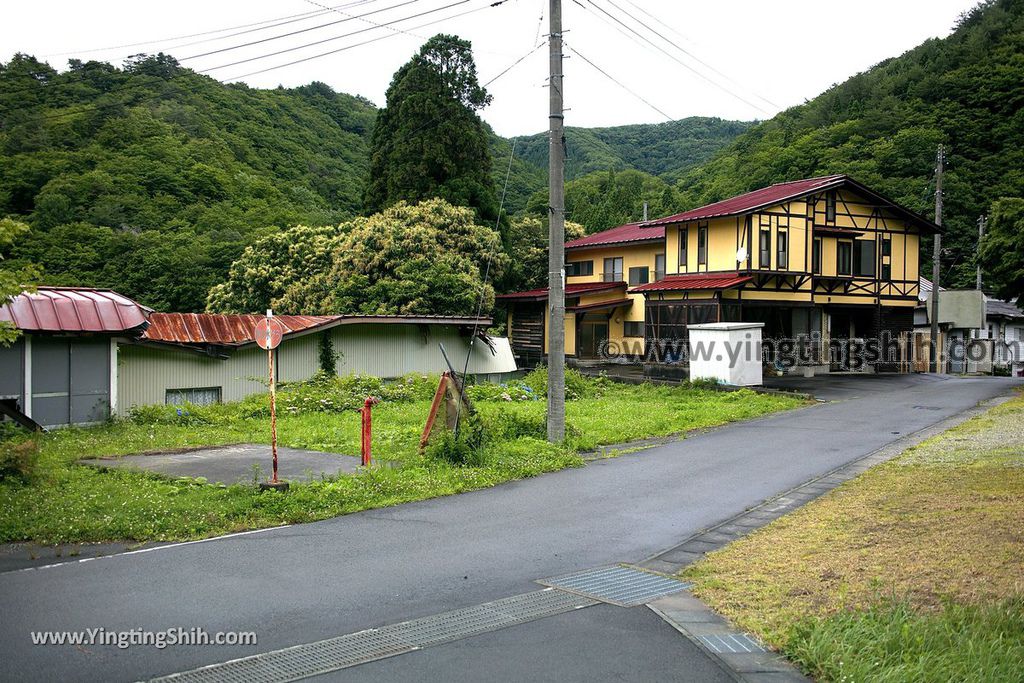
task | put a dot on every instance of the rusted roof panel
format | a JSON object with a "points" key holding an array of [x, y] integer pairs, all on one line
{"points": [[680, 283], [74, 309], [221, 330], [623, 234], [575, 289]]}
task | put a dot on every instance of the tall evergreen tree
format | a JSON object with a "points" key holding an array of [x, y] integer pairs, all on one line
{"points": [[428, 141]]}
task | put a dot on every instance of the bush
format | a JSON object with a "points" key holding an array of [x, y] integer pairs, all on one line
{"points": [[577, 385], [512, 391], [466, 450], [18, 455], [184, 414]]}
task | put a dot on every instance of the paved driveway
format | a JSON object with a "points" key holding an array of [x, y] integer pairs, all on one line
{"points": [[316, 581]]}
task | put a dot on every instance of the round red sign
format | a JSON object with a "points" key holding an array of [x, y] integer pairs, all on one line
{"points": [[268, 333]]}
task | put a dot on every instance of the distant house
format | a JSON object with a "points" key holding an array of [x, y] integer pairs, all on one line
{"points": [[825, 258], [87, 354]]}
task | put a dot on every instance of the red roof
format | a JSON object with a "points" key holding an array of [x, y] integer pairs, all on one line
{"points": [[630, 232], [221, 330], [679, 283], [751, 201], [74, 309], [576, 289]]}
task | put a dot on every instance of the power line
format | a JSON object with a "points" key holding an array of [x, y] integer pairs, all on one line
{"points": [[618, 82], [295, 33], [676, 59], [684, 51], [368, 42], [287, 19]]}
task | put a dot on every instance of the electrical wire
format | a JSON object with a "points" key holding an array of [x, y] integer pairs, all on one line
{"points": [[366, 42], [675, 58], [295, 33], [618, 82], [483, 285]]}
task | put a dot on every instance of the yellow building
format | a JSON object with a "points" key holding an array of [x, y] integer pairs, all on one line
{"points": [[818, 261]]}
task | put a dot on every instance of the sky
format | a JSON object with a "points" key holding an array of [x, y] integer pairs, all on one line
{"points": [[629, 61]]}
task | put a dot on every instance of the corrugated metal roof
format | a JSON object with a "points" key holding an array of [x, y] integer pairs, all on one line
{"points": [[766, 196], [675, 283], [74, 309], [1000, 308], [221, 330], [215, 329], [630, 232], [575, 289]]}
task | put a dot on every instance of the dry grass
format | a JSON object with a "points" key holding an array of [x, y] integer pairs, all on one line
{"points": [[941, 523]]}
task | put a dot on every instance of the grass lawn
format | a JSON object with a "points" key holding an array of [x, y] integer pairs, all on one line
{"points": [[65, 502], [913, 571]]}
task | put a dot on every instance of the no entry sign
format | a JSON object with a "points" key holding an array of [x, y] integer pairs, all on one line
{"points": [[268, 333]]}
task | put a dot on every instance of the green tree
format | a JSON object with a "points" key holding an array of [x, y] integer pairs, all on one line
{"points": [[428, 141], [528, 252], [426, 258], [13, 281], [1002, 250]]}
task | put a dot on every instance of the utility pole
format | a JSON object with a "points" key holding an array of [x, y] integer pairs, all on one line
{"points": [[556, 232], [982, 224], [936, 263]]}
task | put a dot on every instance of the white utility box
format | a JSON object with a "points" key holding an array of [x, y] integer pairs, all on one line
{"points": [[727, 352]]}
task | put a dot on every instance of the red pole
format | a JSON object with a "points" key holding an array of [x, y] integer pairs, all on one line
{"points": [[367, 424], [273, 412]]}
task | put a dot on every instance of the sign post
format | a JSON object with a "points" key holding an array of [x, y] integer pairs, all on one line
{"points": [[268, 333]]}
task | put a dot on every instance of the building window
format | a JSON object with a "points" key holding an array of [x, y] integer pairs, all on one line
{"points": [[765, 249], [782, 245], [702, 246], [886, 271], [844, 258], [830, 206], [886, 246], [613, 269], [659, 266], [633, 329], [639, 275], [200, 396], [816, 256], [684, 239], [864, 258], [579, 268]]}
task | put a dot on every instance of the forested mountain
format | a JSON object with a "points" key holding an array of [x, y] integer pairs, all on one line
{"points": [[883, 126], [152, 179], [661, 149]]}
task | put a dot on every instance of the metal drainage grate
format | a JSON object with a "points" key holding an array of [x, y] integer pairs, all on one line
{"points": [[731, 643], [623, 586], [312, 659]]}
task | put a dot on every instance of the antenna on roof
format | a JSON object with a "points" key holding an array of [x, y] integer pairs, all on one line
{"points": [[645, 212]]}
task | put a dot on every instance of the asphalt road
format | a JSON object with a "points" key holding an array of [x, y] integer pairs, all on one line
{"points": [[305, 583]]}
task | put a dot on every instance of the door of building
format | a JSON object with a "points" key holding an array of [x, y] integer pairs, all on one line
{"points": [[593, 337]]}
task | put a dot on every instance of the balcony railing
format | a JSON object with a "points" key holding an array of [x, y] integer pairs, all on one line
{"points": [[612, 277]]}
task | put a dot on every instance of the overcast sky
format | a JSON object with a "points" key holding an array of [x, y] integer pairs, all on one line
{"points": [[746, 59]]}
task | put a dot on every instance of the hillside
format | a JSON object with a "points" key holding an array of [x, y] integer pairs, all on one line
{"points": [[883, 126], [152, 179], [662, 149]]}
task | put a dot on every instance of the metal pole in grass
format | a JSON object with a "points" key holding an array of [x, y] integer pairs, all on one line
{"points": [[268, 334]]}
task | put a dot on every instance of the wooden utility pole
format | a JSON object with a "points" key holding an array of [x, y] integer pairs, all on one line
{"points": [[982, 224], [556, 232], [936, 263]]}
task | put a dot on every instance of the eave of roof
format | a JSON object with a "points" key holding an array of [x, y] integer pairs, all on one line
{"points": [[693, 282], [575, 289], [782, 192], [74, 310]]}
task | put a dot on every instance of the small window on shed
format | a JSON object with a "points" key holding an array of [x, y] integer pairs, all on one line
{"points": [[199, 396]]}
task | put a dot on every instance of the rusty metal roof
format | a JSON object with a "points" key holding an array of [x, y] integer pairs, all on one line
{"points": [[214, 329], [575, 289], [221, 330], [681, 283], [74, 310]]}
